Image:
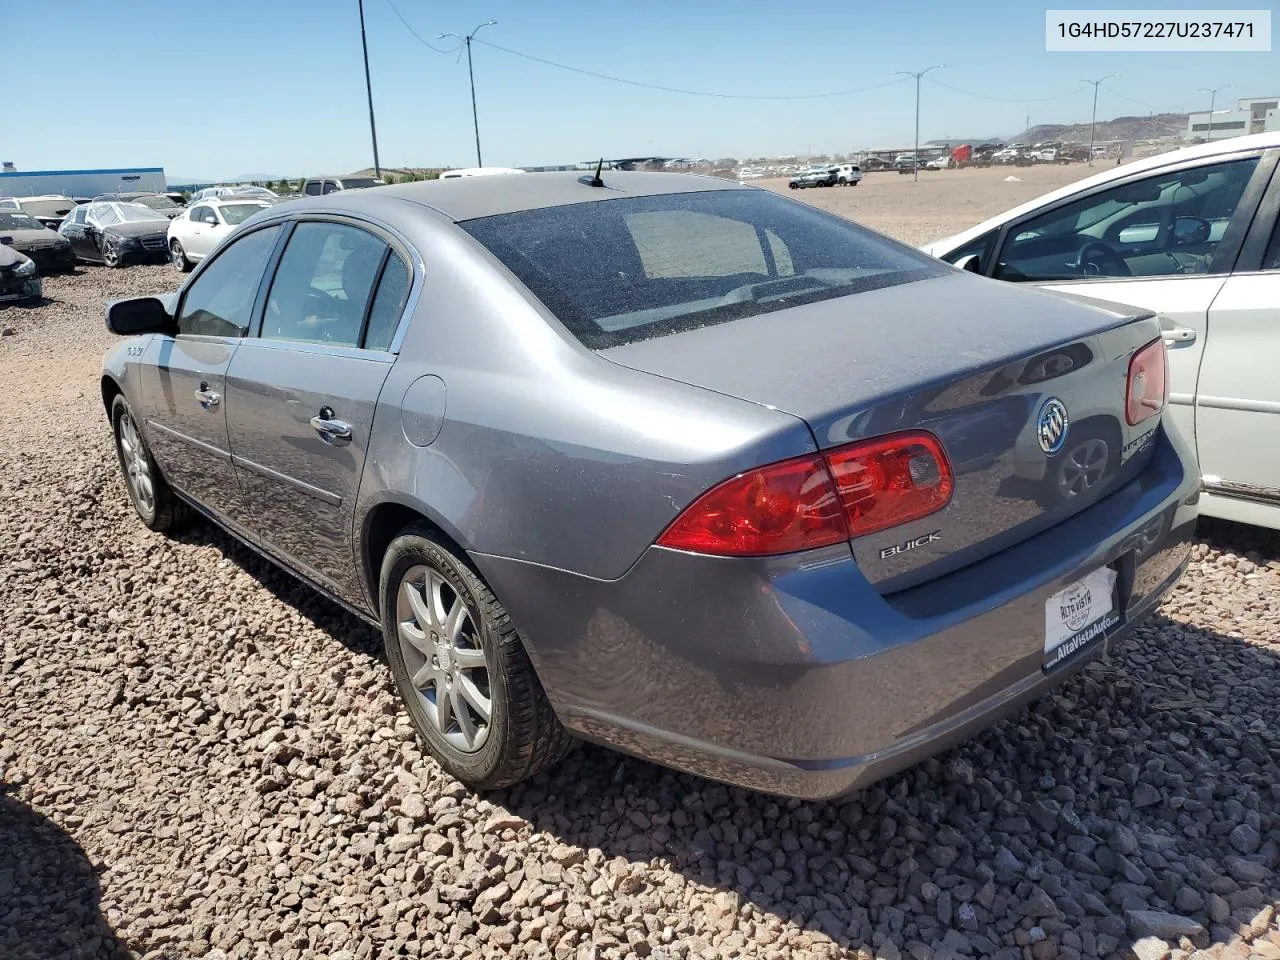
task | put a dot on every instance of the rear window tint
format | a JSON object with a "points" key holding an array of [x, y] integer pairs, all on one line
{"points": [[617, 271]]}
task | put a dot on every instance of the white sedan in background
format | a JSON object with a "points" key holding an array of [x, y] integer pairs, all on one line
{"points": [[1193, 235], [204, 224]]}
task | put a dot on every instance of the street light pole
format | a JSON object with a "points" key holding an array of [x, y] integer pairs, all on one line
{"points": [[471, 76], [915, 163], [1213, 96], [368, 85], [1093, 122]]}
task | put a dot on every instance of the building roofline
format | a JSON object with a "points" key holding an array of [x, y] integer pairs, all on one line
{"points": [[54, 173]]}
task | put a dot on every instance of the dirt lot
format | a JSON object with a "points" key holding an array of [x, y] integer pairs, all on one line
{"points": [[943, 202], [200, 758]]}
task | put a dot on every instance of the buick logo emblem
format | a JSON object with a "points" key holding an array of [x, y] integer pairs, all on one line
{"points": [[1051, 425]]}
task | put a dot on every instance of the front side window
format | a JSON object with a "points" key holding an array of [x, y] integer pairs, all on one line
{"points": [[980, 248], [1271, 259], [78, 215], [331, 187], [1165, 225], [201, 214], [219, 301], [615, 271], [322, 285]]}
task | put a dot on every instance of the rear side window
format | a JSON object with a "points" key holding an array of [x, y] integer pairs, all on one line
{"points": [[312, 189], [616, 271], [220, 300], [323, 284], [388, 304]]}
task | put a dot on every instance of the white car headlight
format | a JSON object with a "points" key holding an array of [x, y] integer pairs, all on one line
{"points": [[26, 267]]}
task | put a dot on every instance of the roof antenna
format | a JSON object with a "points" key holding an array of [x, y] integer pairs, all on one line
{"points": [[593, 181]]}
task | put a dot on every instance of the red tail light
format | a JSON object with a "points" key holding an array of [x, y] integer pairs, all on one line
{"points": [[780, 508], [891, 480], [1148, 386], [818, 500]]}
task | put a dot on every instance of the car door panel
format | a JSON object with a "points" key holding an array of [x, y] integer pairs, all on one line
{"points": [[301, 486], [1238, 402], [185, 418], [1182, 303]]}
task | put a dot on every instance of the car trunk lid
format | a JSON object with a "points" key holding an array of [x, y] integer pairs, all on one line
{"points": [[973, 362]]}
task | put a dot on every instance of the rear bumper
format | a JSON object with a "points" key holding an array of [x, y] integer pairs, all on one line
{"points": [[792, 675]]}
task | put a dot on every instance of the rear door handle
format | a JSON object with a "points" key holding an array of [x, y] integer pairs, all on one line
{"points": [[331, 430], [208, 398], [1179, 335]]}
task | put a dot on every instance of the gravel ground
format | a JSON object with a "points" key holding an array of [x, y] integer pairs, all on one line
{"points": [[201, 758]]}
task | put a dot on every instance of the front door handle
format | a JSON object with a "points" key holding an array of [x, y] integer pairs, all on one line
{"points": [[331, 430], [208, 398], [1179, 335]]}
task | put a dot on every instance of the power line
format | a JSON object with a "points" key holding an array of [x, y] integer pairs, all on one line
{"points": [[692, 93], [417, 36], [983, 96]]}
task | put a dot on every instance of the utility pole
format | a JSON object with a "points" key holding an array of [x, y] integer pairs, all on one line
{"points": [[1213, 96], [475, 117], [915, 157], [368, 85], [1093, 122]]}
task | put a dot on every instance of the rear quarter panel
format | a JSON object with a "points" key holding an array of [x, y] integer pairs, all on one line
{"points": [[530, 446]]}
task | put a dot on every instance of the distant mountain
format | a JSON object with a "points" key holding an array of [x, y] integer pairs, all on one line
{"points": [[1121, 128]]}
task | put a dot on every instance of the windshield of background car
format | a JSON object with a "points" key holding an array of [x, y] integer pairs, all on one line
{"points": [[617, 271], [358, 183], [47, 208], [234, 213], [135, 213], [12, 220], [157, 203]]}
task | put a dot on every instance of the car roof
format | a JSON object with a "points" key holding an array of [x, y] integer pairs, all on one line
{"points": [[469, 198], [232, 198], [1214, 148]]}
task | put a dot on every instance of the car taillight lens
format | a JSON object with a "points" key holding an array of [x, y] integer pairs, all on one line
{"points": [[780, 508], [1148, 386], [891, 480], [818, 500]]}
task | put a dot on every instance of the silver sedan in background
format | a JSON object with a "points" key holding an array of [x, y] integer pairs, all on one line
{"points": [[670, 463]]}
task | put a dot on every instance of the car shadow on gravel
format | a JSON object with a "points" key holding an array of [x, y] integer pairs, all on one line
{"points": [[49, 892], [1141, 797]]}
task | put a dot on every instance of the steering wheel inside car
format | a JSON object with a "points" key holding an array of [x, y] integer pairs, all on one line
{"points": [[1096, 259]]}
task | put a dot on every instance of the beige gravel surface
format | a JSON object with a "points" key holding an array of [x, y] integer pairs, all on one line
{"points": [[943, 202], [201, 758]]}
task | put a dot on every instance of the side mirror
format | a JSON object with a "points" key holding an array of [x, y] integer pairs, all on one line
{"points": [[136, 315], [211, 220], [972, 263]]}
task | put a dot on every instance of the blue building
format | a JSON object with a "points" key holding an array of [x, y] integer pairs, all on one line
{"points": [[80, 183]]}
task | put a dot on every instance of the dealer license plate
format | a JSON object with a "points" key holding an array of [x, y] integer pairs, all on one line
{"points": [[1078, 615]]}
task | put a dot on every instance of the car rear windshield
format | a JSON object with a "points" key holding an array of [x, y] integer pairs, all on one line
{"points": [[47, 208], [235, 213], [617, 271]]}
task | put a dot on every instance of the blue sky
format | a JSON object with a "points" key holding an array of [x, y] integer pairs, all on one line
{"points": [[274, 86]]}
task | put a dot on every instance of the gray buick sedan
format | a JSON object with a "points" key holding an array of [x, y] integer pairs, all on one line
{"points": [[665, 462]]}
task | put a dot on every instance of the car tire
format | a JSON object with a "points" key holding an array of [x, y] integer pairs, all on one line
{"points": [[111, 253], [178, 257], [421, 584], [154, 501]]}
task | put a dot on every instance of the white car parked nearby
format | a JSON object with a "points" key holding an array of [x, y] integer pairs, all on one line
{"points": [[204, 224], [1193, 235]]}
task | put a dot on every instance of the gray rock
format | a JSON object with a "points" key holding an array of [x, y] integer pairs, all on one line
{"points": [[1245, 839], [1166, 926]]}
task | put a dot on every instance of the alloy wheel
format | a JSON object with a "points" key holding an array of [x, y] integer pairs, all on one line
{"points": [[110, 256], [178, 256], [137, 467], [439, 640], [1083, 467]]}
